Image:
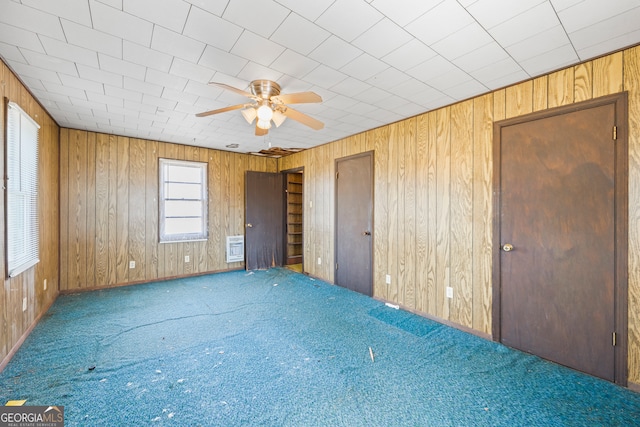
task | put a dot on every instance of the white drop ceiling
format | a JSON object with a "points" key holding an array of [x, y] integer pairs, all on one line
{"points": [[140, 68]]}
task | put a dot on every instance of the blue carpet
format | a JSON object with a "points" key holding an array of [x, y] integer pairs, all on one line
{"points": [[277, 348]]}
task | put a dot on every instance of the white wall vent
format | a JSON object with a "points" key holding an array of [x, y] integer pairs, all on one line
{"points": [[235, 248]]}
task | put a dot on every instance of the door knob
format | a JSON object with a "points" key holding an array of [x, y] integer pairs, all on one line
{"points": [[249, 225], [366, 233], [507, 247]]}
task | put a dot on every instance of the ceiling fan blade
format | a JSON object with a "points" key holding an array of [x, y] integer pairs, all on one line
{"points": [[234, 89], [260, 131], [297, 98], [221, 110], [303, 118]]}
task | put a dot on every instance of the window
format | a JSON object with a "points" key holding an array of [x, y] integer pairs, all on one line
{"points": [[183, 200], [22, 191]]}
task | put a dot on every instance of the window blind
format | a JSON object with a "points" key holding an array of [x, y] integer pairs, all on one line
{"points": [[22, 191]]}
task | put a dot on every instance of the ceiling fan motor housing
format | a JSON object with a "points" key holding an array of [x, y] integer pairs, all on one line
{"points": [[265, 89]]}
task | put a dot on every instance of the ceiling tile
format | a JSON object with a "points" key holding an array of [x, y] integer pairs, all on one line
{"points": [[621, 27], [431, 68], [63, 50], [383, 38], [211, 29], [388, 79], [462, 42], [410, 10], [259, 16], [409, 55], [121, 24], [19, 37], [335, 52], [364, 67], [165, 80], [11, 53], [120, 92], [351, 87], [325, 77], [132, 52], [117, 4], [218, 59], [142, 87], [311, 10], [170, 14], [550, 60], [101, 76], [527, 24], [294, 64], [493, 70], [257, 49], [609, 45], [174, 44], [439, 22], [590, 12], [79, 35], [299, 34], [125, 68], [490, 13], [64, 90], [253, 71], [30, 19], [214, 6], [41, 60], [349, 18], [481, 57], [540, 43], [73, 10], [191, 71], [36, 73]]}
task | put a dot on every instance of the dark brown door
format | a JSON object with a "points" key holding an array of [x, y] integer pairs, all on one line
{"points": [[354, 222], [557, 237], [264, 213]]}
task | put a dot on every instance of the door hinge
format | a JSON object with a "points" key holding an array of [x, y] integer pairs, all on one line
{"points": [[613, 339], [615, 133], [336, 265], [337, 175]]}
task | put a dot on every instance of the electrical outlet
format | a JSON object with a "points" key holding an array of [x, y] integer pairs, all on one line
{"points": [[132, 264], [388, 279], [319, 261], [449, 292], [24, 304], [45, 284], [186, 258]]}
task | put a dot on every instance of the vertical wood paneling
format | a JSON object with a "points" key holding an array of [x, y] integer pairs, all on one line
{"points": [[583, 82], [422, 212], [122, 211], [113, 210], [607, 75], [90, 280], [540, 93], [409, 220], [401, 188], [53, 162], [561, 87], [101, 253], [151, 179], [482, 212], [381, 210], [443, 219], [137, 209], [462, 212], [432, 195], [64, 209], [392, 219], [632, 85], [215, 245], [519, 99], [78, 207]]}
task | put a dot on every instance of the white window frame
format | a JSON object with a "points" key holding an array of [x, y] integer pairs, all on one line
{"points": [[165, 197], [21, 195]]}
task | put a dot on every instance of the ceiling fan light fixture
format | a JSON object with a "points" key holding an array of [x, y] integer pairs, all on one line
{"points": [[249, 114], [265, 113], [278, 118], [264, 124]]}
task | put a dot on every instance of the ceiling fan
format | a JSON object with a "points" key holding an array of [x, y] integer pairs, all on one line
{"points": [[269, 105]]}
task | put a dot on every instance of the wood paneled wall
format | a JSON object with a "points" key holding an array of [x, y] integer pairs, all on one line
{"points": [[109, 210], [14, 322], [433, 209]]}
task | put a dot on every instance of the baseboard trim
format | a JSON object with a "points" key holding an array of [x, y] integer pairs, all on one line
{"points": [[141, 282], [18, 344]]}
